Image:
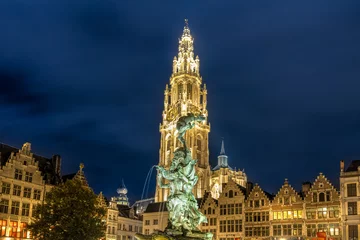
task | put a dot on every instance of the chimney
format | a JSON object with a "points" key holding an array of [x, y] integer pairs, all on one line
{"points": [[342, 166], [249, 187], [305, 188]]}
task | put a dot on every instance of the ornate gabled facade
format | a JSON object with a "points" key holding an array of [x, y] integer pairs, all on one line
{"points": [[287, 213], [222, 172], [186, 94], [122, 222], [257, 209], [25, 178], [209, 206], [322, 209]]}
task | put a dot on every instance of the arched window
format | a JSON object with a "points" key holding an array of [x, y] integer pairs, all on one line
{"points": [[231, 194], [314, 197], [199, 142], [322, 197], [209, 210]]}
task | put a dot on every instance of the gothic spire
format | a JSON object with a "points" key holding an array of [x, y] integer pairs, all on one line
{"points": [[222, 151], [185, 62]]}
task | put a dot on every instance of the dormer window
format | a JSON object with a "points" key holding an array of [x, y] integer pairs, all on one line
{"points": [[314, 197], [262, 202], [321, 197], [231, 194], [18, 174]]}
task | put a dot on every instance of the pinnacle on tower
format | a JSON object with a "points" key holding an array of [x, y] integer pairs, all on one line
{"points": [[222, 151], [81, 176]]}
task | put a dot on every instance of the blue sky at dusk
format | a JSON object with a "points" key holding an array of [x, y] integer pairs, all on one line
{"points": [[85, 79]]}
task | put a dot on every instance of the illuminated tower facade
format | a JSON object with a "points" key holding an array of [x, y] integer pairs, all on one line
{"points": [[185, 94]]}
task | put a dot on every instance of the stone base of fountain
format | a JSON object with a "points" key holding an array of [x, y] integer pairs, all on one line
{"points": [[175, 235]]}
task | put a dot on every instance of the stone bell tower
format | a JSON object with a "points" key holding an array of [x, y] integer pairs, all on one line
{"points": [[185, 94]]}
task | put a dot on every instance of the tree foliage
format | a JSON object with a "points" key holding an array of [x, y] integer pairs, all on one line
{"points": [[70, 211]]}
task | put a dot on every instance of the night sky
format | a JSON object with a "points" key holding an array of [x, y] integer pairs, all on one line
{"points": [[85, 79]]}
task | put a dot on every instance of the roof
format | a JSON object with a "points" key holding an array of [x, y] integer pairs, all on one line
{"points": [[47, 166], [156, 207], [269, 195], [353, 167]]}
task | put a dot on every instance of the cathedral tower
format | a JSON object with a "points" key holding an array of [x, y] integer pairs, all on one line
{"points": [[185, 94]]}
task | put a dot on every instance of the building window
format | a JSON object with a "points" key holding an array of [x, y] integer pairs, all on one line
{"points": [[311, 214], [328, 196], [15, 207], [231, 209], [5, 188], [248, 231], [17, 190], [334, 212], [322, 212], [25, 209], [147, 231], [155, 222], [286, 200], [257, 203], [323, 228], [222, 225], [321, 197], [37, 194], [353, 232], [352, 208], [147, 222], [231, 194], [222, 209], [238, 225], [238, 208], [297, 230], [251, 203], [3, 225], [230, 225], [277, 230], [351, 190], [286, 230], [4, 206], [27, 192], [314, 197], [262, 202], [13, 229], [28, 176], [311, 230], [18, 174], [113, 230], [334, 229]]}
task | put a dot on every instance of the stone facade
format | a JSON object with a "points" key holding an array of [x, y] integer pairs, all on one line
{"points": [[25, 178], [350, 200]]}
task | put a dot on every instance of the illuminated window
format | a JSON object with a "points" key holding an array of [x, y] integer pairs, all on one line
{"points": [[322, 228], [351, 190], [311, 213], [5, 188], [27, 192], [23, 231], [18, 174], [13, 229], [322, 212], [25, 209], [3, 224], [286, 200], [17, 190], [4, 206], [28, 176], [334, 212], [334, 229]]}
